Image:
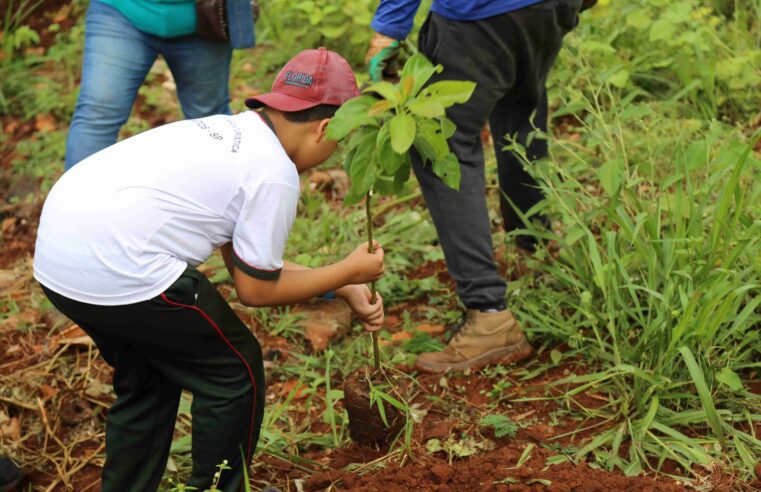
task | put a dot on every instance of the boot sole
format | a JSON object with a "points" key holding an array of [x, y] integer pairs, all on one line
{"points": [[503, 355]]}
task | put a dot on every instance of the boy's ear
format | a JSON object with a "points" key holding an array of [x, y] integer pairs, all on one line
{"points": [[322, 128]]}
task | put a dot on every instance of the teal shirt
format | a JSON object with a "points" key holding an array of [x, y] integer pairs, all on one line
{"points": [[165, 18]]}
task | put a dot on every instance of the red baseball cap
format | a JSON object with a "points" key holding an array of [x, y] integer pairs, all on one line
{"points": [[311, 78]]}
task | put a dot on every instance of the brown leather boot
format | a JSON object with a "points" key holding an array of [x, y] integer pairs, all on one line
{"points": [[485, 338]]}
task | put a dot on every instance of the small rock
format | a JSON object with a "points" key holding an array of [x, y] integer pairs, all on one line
{"points": [[319, 334], [324, 321], [442, 471], [758, 470]]}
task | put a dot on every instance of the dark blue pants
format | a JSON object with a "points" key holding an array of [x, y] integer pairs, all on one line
{"points": [[509, 57]]}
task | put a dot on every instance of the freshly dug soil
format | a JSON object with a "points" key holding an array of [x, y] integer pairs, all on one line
{"points": [[366, 425]]}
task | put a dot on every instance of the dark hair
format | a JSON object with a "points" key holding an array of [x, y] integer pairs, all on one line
{"points": [[319, 112]]}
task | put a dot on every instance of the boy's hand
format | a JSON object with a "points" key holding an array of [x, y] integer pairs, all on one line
{"points": [[364, 266], [358, 299]]}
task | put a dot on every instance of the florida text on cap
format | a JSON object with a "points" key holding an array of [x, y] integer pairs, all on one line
{"points": [[311, 78]]}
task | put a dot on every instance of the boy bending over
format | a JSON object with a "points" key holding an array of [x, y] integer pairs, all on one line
{"points": [[121, 233]]}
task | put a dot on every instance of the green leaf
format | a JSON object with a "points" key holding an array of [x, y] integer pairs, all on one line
{"points": [[433, 446], [380, 107], [421, 69], [463, 448], [386, 89], [406, 85], [430, 141], [449, 92], [447, 127], [423, 342], [384, 186], [448, 169], [388, 160], [730, 379], [611, 176], [714, 420], [402, 132], [662, 29], [402, 174], [352, 114], [362, 169], [426, 107], [556, 356], [639, 19], [556, 459], [619, 79], [502, 425]]}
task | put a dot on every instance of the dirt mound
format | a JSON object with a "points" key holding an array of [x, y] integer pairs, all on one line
{"points": [[495, 470]]}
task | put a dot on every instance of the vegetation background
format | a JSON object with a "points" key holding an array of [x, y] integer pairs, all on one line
{"points": [[645, 305]]}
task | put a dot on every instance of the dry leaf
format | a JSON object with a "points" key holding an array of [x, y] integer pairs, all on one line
{"points": [[73, 335], [11, 429], [401, 336], [47, 391], [44, 122], [430, 329]]}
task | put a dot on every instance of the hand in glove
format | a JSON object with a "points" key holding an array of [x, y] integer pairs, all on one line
{"points": [[381, 54]]}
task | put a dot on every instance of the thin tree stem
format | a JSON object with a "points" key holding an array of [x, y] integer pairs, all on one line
{"points": [[373, 296]]}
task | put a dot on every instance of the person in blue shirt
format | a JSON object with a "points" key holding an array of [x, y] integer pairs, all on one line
{"points": [[122, 40], [508, 48]]}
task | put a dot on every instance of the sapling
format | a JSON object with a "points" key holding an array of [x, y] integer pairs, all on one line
{"points": [[388, 123]]}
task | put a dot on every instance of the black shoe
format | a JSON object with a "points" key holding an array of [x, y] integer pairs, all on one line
{"points": [[530, 242], [10, 475], [527, 243]]}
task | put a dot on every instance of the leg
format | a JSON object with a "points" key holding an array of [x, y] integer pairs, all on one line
{"points": [[524, 108], [201, 70], [117, 58], [502, 52], [140, 423], [461, 217], [193, 339], [518, 118], [202, 345]]}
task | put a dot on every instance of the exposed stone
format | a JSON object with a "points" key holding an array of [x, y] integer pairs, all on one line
{"points": [[442, 471], [323, 321]]}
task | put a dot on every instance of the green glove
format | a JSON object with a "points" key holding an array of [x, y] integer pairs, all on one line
{"points": [[381, 56]]}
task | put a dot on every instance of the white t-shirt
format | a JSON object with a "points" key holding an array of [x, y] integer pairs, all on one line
{"points": [[122, 225]]}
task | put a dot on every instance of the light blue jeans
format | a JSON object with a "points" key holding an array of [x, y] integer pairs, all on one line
{"points": [[117, 58]]}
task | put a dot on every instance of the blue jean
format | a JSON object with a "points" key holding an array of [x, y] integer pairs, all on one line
{"points": [[117, 58]]}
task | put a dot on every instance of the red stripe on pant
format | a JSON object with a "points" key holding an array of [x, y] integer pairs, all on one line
{"points": [[242, 359]]}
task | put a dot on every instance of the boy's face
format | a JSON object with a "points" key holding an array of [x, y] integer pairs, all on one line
{"points": [[315, 147]]}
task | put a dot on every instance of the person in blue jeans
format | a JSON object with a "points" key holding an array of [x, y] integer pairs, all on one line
{"points": [[123, 38], [508, 48]]}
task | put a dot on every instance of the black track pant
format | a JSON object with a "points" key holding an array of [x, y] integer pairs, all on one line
{"points": [[186, 338], [509, 57]]}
